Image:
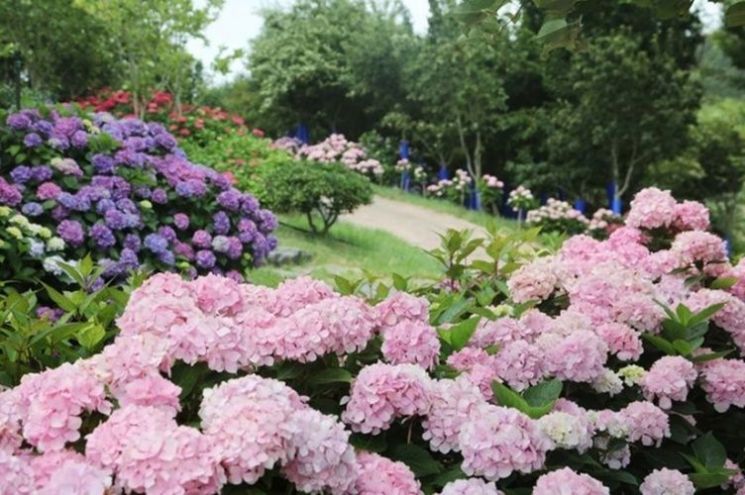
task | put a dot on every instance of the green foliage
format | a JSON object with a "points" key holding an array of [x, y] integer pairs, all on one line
{"points": [[322, 191], [34, 336], [333, 64]]}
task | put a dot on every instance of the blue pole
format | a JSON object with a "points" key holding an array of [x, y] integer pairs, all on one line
{"points": [[403, 153], [580, 205], [443, 172]]}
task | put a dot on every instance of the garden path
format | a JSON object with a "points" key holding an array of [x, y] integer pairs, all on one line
{"points": [[414, 224]]}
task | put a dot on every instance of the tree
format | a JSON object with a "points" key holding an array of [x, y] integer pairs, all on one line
{"points": [[333, 64], [150, 41], [622, 109], [62, 49]]}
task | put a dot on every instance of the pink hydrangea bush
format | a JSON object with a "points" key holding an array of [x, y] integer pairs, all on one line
{"points": [[590, 371]]}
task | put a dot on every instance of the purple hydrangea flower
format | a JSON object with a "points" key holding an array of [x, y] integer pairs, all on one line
{"points": [[104, 205], [249, 205], [220, 244], [159, 196], [168, 233], [59, 142], [47, 313], [21, 174], [102, 236], [127, 205], [114, 219], [132, 242], [267, 220], [184, 250], [167, 258], [18, 121], [74, 202], [143, 192], [135, 144], [59, 213], [235, 248], [9, 195], [41, 173], [79, 139], [155, 128], [235, 275], [71, 232], [67, 126], [230, 199], [43, 127], [111, 268], [48, 190], [128, 259], [132, 220], [221, 222], [129, 157], [32, 209], [201, 239], [156, 243], [181, 221], [205, 259], [32, 140], [102, 164], [93, 193], [165, 141]]}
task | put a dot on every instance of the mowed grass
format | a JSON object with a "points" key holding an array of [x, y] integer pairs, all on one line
{"points": [[347, 250], [482, 218]]}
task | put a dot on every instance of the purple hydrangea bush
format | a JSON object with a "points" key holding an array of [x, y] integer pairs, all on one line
{"points": [[122, 190]]}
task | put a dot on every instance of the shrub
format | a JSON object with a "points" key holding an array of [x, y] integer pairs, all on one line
{"points": [[123, 191], [322, 191], [45, 328], [333, 149], [242, 156], [558, 216]]}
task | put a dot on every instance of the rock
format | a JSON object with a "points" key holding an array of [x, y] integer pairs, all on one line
{"points": [[288, 255]]}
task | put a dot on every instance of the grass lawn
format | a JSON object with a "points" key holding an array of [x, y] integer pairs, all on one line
{"points": [[481, 218], [346, 251]]}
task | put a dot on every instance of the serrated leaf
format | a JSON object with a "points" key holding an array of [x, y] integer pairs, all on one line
{"points": [[461, 333], [709, 451], [543, 393], [735, 15], [331, 375], [400, 282], [509, 398], [417, 458], [59, 299], [90, 335]]}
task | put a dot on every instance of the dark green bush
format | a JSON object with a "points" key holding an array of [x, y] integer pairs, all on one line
{"points": [[322, 191]]}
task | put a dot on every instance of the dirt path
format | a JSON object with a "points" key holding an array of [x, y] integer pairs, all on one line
{"points": [[416, 225]]}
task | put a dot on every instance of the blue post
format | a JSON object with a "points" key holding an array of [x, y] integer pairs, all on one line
{"points": [[442, 174], [580, 205], [617, 206], [302, 133], [728, 244], [403, 153]]}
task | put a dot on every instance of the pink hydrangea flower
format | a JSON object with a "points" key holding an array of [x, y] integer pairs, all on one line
{"points": [[731, 317], [519, 364], [472, 486], [646, 423], [738, 272], [578, 357], [498, 332], [152, 390], [412, 342], [248, 420], [297, 293], [377, 475], [51, 404], [691, 215], [10, 421], [668, 380], [567, 482], [723, 381], [401, 306], [383, 392], [534, 281], [323, 458], [453, 403], [478, 365], [667, 482], [622, 340], [217, 295], [699, 247], [498, 441], [68, 472], [16, 474], [148, 451], [652, 208]]}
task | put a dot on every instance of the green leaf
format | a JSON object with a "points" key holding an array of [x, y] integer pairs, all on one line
{"points": [[455, 310], [543, 393], [705, 314], [377, 443], [461, 333], [711, 356], [400, 282], [509, 398], [331, 375], [417, 458], [735, 15], [558, 33], [59, 299], [709, 451], [682, 347], [453, 474], [90, 335], [660, 343], [708, 480], [344, 286], [555, 8], [723, 283]]}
